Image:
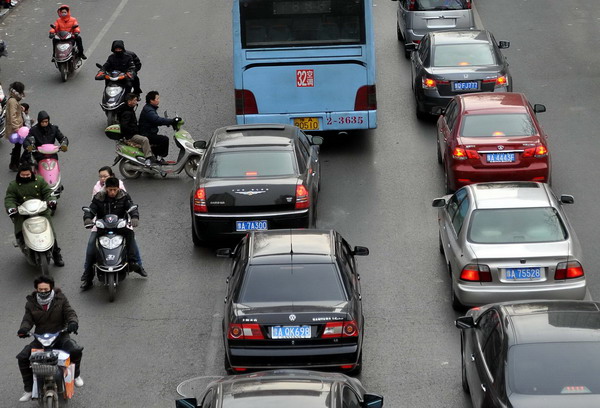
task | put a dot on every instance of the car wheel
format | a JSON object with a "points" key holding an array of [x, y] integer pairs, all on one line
{"points": [[441, 244], [439, 153], [195, 239], [407, 53], [447, 186], [226, 364], [420, 114], [463, 366], [399, 33], [456, 305]]}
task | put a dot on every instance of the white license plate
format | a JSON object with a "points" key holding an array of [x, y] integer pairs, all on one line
{"points": [[523, 274], [251, 225], [290, 332]]}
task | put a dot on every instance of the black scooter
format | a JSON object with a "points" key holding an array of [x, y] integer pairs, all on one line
{"points": [[113, 96]]}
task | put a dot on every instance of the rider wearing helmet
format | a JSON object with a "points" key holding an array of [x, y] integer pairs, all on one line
{"points": [[65, 22]]}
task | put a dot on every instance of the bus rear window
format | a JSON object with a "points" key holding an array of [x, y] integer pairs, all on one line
{"points": [[288, 23]]}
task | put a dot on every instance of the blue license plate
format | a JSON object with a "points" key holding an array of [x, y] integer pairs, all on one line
{"points": [[251, 225], [500, 157], [528, 274], [290, 332], [465, 86]]}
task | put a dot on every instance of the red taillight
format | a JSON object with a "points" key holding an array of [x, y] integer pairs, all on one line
{"points": [[347, 367], [350, 329], [476, 273], [340, 329], [244, 332], [538, 151], [239, 369], [302, 197], [501, 81], [200, 201], [568, 270], [469, 5], [460, 153], [411, 5], [428, 83], [366, 98], [245, 103]]}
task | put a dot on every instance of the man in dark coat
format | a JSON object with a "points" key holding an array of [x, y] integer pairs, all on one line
{"points": [[48, 309], [43, 132], [25, 187], [149, 123], [130, 129], [120, 61], [112, 200], [138, 66]]}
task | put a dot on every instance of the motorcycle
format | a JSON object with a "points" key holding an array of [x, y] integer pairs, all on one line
{"points": [[132, 162], [111, 265], [113, 96], [49, 168], [53, 373], [38, 238], [66, 55]]}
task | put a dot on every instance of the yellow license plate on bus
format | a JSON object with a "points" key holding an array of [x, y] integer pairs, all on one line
{"points": [[307, 123]]}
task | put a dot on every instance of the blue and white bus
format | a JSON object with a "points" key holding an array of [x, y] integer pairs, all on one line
{"points": [[309, 63]]}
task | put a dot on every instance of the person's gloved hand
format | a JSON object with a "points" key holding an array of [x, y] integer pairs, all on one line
{"points": [[50, 35], [11, 212], [64, 147], [22, 333], [88, 223], [52, 204], [100, 75], [129, 75], [135, 222], [72, 327], [75, 34]]}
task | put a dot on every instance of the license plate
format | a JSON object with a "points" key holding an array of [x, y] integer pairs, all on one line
{"points": [[523, 274], [500, 157], [290, 332], [465, 86], [441, 22], [251, 225], [307, 123]]}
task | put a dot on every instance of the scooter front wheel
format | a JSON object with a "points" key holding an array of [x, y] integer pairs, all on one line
{"points": [[63, 67], [44, 264], [126, 169], [112, 287]]}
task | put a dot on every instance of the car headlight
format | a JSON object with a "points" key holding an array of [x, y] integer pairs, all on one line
{"points": [[113, 91], [111, 243]]}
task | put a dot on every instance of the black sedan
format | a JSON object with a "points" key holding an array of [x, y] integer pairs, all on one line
{"points": [[285, 388], [447, 63], [255, 178], [532, 354], [293, 300]]}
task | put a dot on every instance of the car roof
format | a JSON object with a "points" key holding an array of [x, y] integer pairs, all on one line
{"points": [[255, 135], [287, 246], [460, 37], [510, 194], [493, 102], [553, 321]]}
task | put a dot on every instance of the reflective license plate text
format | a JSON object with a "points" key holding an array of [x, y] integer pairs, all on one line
{"points": [[500, 157], [527, 274], [465, 86], [290, 332], [307, 123], [251, 225]]}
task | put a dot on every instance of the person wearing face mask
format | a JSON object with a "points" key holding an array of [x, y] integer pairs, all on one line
{"points": [[66, 22], [43, 132], [14, 120], [120, 61], [25, 187], [48, 309]]}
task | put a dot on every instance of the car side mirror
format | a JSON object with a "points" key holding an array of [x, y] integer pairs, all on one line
{"points": [[224, 253], [539, 108], [567, 199], [186, 403], [360, 251], [439, 202], [200, 144], [503, 44], [372, 401], [410, 47], [316, 140], [465, 322], [438, 110]]}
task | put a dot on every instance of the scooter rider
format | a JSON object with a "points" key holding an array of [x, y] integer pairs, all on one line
{"points": [[119, 61], [26, 187], [65, 22], [112, 200], [130, 129], [149, 123], [43, 132], [48, 309]]}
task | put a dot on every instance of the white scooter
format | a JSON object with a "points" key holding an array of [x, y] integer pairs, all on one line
{"points": [[38, 236]]}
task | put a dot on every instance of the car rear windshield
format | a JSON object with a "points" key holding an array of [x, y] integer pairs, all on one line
{"points": [[441, 5], [554, 368], [259, 163], [509, 124], [277, 393], [458, 55], [291, 283], [516, 225]]}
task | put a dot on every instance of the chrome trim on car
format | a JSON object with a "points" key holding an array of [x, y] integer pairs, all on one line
{"points": [[251, 215], [500, 151]]}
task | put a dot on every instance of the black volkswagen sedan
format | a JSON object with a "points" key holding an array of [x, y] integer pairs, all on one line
{"points": [[285, 388], [447, 63], [255, 178], [293, 300], [532, 354]]}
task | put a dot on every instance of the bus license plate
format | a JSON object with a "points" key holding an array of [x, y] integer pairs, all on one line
{"points": [[251, 225], [290, 332], [307, 123], [523, 274], [465, 86]]}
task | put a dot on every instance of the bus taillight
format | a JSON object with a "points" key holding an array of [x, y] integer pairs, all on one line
{"points": [[366, 98], [245, 103]]}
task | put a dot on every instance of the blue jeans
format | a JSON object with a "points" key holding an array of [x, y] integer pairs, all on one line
{"points": [[90, 252]]}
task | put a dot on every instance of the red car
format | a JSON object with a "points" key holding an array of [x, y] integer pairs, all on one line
{"points": [[491, 137]]}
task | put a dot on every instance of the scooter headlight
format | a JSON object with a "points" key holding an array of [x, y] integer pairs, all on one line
{"points": [[112, 91], [111, 243], [62, 47]]}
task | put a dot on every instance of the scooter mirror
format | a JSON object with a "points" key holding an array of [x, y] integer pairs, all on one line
{"points": [[75, 26], [200, 144], [98, 65], [132, 209], [53, 26]]}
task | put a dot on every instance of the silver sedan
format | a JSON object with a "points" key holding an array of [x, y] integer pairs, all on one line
{"points": [[509, 241]]}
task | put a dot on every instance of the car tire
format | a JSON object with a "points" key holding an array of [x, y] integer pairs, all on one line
{"points": [[463, 367], [447, 187], [456, 305], [439, 153], [195, 239], [440, 244], [399, 33], [420, 114], [226, 364]]}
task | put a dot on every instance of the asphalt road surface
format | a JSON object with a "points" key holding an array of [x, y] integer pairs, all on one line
{"points": [[377, 191]]}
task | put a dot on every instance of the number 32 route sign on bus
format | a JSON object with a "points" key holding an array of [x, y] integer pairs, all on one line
{"points": [[305, 78]]}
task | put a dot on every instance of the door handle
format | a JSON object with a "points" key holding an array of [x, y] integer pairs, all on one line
{"points": [[472, 357], [483, 388]]}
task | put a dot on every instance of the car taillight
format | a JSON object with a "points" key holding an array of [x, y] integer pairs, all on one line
{"points": [[460, 153], [366, 98], [302, 197], [568, 270], [476, 273], [200, 201], [411, 5], [501, 81], [538, 151], [469, 5], [244, 332], [245, 103], [428, 83], [340, 329]]}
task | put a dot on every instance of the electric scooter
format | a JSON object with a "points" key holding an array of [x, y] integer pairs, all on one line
{"points": [[113, 96], [49, 168], [38, 238], [66, 55]]}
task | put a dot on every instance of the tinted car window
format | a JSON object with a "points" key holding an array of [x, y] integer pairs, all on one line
{"points": [[289, 394], [455, 201], [292, 283], [424, 50], [459, 216], [514, 124], [554, 368], [516, 225], [456, 55], [350, 400], [441, 4], [257, 163], [207, 401], [492, 351], [451, 114]]}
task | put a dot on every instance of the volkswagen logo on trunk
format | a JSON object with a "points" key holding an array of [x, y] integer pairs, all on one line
{"points": [[292, 317]]}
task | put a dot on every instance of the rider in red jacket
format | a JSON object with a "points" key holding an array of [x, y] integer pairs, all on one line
{"points": [[65, 22]]}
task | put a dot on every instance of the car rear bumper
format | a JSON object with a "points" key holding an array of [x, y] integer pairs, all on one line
{"points": [[429, 99], [477, 295], [463, 175]]}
